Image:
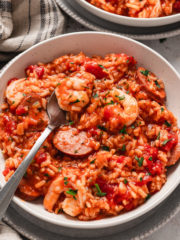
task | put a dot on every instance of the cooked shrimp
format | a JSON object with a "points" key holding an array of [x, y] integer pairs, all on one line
{"points": [[74, 92], [71, 207], [53, 193], [121, 109], [175, 153], [16, 90]]}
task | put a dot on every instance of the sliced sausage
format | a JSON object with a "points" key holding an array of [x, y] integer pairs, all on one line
{"points": [[175, 155], [72, 142], [27, 192], [151, 85]]}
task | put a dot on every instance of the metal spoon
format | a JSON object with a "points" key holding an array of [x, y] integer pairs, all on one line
{"points": [[56, 117]]}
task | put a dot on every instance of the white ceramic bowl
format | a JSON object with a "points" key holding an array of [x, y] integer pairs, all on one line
{"points": [[130, 21], [99, 44]]}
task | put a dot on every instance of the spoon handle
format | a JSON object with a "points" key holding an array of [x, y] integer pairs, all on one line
{"points": [[10, 187]]}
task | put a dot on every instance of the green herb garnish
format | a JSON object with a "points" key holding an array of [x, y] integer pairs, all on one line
{"points": [[150, 158], [157, 84], [166, 141], [76, 101], [125, 181], [162, 109], [123, 149], [65, 180], [158, 136], [123, 130], [101, 66], [95, 95], [140, 161], [145, 73], [167, 123], [71, 123], [111, 102], [93, 161], [72, 192], [120, 97], [105, 148], [101, 128], [99, 192]]}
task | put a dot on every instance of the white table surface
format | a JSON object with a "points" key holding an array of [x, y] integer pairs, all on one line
{"points": [[170, 49]]}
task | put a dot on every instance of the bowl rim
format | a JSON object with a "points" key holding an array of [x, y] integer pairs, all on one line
{"points": [[127, 18], [116, 220]]}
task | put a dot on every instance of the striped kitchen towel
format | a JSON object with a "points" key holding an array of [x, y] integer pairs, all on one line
{"points": [[24, 23]]}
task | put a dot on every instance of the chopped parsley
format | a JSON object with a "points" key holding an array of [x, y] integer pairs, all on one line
{"points": [[111, 102], [150, 158], [60, 210], [123, 149], [162, 109], [125, 181], [101, 128], [158, 136], [148, 196], [140, 179], [75, 151], [120, 97], [46, 174], [132, 126], [93, 161], [72, 192], [59, 169], [13, 102], [58, 84], [157, 84], [166, 141], [99, 192], [65, 180], [44, 146], [24, 94], [127, 92], [145, 73], [140, 161], [123, 130], [101, 66], [95, 95], [105, 148], [76, 101], [71, 123], [71, 62], [167, 123]]}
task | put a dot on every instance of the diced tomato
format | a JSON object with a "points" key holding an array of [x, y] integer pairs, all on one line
{"points": [[93, 131], [96, 70], [172, 143], [177, 6], [120, 159], [38, 69], [108, 112], [146, 179], [155, 168], [21, 110], [10, 124], [6, 171], [11, 80], [118, 198], [41, 158], [131, 60], [106, 187], [151, 152]]}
